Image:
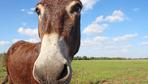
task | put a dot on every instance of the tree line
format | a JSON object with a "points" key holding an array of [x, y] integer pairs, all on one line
{"points": [[3, 56], [106, 58]]}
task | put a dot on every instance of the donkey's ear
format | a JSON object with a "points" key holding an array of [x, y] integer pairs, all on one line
{"points": [[39, 3]]}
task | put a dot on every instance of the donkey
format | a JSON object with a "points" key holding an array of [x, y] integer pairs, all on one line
{"points": [[49, 61]]}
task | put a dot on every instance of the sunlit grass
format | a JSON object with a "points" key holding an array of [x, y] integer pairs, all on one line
{"points": [[106, 72], [110, 72]]}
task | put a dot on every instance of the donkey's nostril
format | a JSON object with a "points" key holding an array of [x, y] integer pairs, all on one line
{"points": [[64, 72]]}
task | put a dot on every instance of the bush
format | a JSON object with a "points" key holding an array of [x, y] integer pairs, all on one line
{"points": [[2, 59]]}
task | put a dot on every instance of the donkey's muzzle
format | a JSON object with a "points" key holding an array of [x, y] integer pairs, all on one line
{"points": [[52, 64], [56, 74]]}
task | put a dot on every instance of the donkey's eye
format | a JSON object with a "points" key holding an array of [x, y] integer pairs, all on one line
{"points": [[76, 8], [37, 10]]}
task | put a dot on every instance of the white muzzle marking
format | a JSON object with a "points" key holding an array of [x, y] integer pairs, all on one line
{"points": [[53, 52]]}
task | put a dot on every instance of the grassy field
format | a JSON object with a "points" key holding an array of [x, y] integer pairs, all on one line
{"points": [[110, 72], [106, 72]]}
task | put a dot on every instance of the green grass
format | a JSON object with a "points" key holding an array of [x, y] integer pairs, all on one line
{"points": [[110, 72], [2, 68], [106, 72], [2, 73]]}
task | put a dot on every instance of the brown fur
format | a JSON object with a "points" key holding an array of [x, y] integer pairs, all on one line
{"points": [[20, 60]]}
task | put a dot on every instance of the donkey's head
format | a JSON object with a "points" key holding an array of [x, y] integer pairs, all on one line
{"points": [[59, 30]]}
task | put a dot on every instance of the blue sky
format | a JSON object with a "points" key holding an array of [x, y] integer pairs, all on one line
{"points": [[110, 28]]}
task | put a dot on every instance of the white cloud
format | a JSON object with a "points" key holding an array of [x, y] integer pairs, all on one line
{"points": [[99, 25], [32, 32], [28, 31], [104, 46], [125, 48], [86, 43], [98, 40], [125, 38], [118, 47], [145, 36], [144, 43], [32, 9], [94, 28], [107, 42], [3, 43], [116, 16], [28, 11], [100, 19], [88, 4]]}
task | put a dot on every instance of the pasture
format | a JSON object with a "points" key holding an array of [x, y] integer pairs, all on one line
{"points": [[105, 72]]}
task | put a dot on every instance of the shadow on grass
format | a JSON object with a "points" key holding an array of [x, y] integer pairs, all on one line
{"points": [[98, 82]]}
